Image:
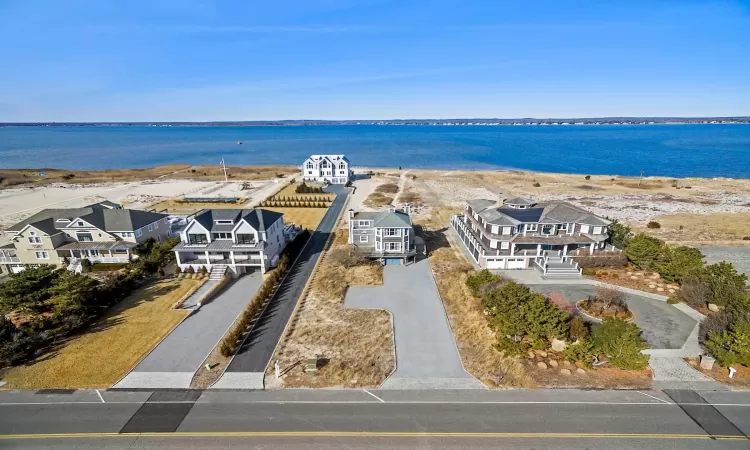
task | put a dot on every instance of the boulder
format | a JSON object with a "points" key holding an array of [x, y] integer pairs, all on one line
{"points": [[671, 291], [541, 365], [565, 371], [552, 363], [531, 354], [580, 371], [558, 345], [633, 277], [660, 289], [567, 363], [652, 286], [541, 353], [713, 307]]}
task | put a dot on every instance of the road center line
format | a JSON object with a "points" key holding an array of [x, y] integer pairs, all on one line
{"points": [[655, 398], [380, 399]]}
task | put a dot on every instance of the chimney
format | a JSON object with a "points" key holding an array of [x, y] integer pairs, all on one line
{"points": [[500, 199], [407, 209]]}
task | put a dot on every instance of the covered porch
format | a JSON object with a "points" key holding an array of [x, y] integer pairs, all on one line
{"points": [[98, 252]]}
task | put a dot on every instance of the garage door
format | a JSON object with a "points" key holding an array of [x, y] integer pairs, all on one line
{"points": [[390, 261], [516, 263], [495, 264]]}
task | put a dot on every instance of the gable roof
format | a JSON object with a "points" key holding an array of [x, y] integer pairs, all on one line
{"points": [[258, 218], [332, 158], [97, 215], [519, 201]]}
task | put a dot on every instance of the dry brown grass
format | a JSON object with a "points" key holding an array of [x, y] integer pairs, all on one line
{"points": [[288, 192], [376, 199], [387, 188], [176, 206], [13, 177], [304, 217], [700, 227], [111, 346], [355, 345], [476, 342]]}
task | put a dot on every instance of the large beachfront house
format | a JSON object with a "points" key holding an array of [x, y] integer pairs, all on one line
{"points": [[334, 169], [520, 233], [241, 240], [102, 233], [387, 236]]}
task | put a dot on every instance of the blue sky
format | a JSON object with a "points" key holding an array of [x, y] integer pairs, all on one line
{"points": [[181, 60]]}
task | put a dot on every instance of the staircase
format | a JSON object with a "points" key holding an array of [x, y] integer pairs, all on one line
{"points": [[217, 271], [554, 265]]}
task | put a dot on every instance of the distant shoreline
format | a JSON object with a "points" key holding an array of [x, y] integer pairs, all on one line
{"points": [[738, 120]]}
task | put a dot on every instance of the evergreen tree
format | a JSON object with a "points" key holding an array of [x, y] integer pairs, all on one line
{"points": [[622, 343], [680, 262], [619, 234], [644, 251], [731, 346]]}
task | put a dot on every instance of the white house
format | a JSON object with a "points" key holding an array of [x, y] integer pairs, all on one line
{"points": [[335, 169], [241, 240]]}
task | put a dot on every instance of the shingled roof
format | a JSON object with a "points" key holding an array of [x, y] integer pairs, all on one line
{"points": [[258, 218], [547, 212]]}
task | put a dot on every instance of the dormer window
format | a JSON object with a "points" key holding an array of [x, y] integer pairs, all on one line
{"points": [[309, 165], [532, 227], [63, 220], [224, 222], [80, 224], [563, 227]]}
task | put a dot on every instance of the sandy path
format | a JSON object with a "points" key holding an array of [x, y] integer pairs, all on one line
{"points": [[365, 187], [401, 185]]}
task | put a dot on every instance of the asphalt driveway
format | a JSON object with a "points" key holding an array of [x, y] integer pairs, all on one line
{"points": [[663, 325], [426, 354], [247, 367], [739, 256], [174, 361]]}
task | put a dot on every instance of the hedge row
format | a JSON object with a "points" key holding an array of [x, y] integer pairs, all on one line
{"points": [[233, 338], [293, 204]]}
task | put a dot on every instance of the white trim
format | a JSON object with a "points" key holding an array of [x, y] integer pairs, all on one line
{"points": [[364, 238]]}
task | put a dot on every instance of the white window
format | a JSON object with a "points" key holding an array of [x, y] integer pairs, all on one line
{"points": [[342, 165], [504, 245], [363, 239], [584, 228], [42, 255], [506, 230], [548, 229], [150, 227], [393, 246], [392, 232], [532, 227], [563, 227], [495, 229], [365, 223], [156, 225], [597, 230], [35, 240], [138, 233], [166, 220], [378, 245], [309, 172], [309, 165], [63, 220], [224, 222]]}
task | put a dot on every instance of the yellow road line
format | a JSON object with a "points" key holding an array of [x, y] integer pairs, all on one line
{"points": [[270, 434]]}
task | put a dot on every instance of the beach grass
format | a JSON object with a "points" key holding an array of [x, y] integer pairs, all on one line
{"points": [[105, 351]]}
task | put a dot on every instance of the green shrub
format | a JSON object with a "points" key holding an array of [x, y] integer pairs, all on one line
{"points": [[86, 266], [536, 184], [102, 267], [731, 346], [478, 279], [622, 343], [728, 287], [578, 329], [653, 224], [588, 177], [678, 263], [644, 251], [716, 322], [674, 300], [589, 271], [583, 352], [619, 234]]}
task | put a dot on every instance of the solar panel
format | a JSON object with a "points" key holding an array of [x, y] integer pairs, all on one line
{"points": [[523, 215]]}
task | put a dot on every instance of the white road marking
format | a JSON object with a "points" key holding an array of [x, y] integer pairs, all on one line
{"points": [[100, 396], [397, 402], [381, 400], [655, 398]]}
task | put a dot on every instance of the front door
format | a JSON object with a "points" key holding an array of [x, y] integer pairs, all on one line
{"points": [[546, 247], [225, 255]]}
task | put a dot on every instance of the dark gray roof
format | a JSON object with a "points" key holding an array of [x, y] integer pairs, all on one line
{"points": [[547, 212], [101, 217], [385, 219], [480, 204], [258, 218]]}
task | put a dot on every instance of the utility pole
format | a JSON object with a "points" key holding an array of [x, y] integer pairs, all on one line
{"points": [[639, 180], [223, 166]]}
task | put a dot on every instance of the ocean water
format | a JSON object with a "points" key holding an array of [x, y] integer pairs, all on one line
{"points": [[667, 150]]}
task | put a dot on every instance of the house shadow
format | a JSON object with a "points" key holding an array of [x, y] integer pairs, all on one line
{"points": [[433, 239]]}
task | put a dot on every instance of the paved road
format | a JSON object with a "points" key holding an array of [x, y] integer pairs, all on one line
{"points": [[258, 349], [390, 419], [426, 354], [739, 256], [174, 361], [664, 326]]}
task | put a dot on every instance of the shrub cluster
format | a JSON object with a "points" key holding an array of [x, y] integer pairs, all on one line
{"points": [[232, 339], [52, 303], [292, 204], [303, 188], [524, 320]]}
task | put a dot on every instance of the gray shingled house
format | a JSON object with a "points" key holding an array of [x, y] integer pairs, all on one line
{"points": [[519, 233], [387, 235]]}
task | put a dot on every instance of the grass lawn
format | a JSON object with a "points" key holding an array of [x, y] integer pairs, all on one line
{"points": [[304, 217], [288, 191], [111, 346]]}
